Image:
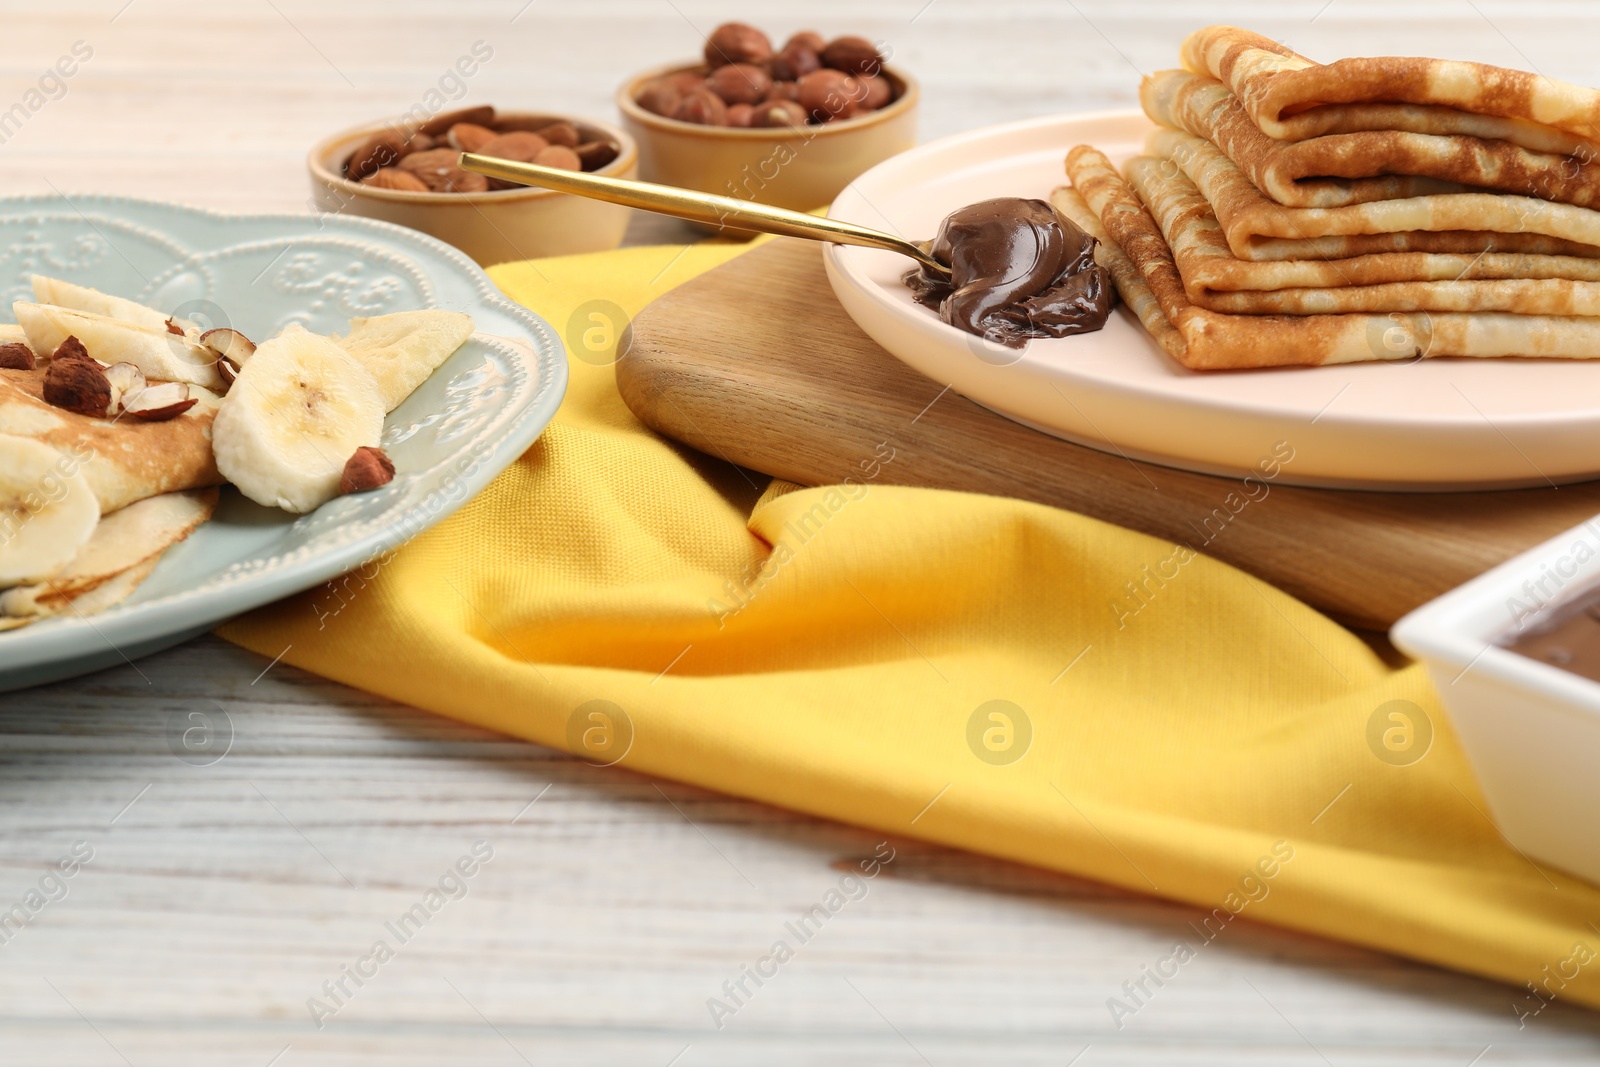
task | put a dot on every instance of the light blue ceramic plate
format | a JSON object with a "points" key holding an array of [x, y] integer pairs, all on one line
{"points": [[258, 273]]}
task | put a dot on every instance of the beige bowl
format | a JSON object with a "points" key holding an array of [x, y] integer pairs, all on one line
{"points": [[493, 227], [793, 168]]}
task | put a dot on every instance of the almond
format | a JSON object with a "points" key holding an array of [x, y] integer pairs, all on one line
{"points": [[380, 150], [366, 470], [559, 156], [17, 356], [597, 154], [478, 116], [561, 133], [518, 145], [437, 169], [469, 136], [77, 384], [396, 179]]}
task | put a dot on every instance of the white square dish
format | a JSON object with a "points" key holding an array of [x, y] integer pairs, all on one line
{"points": [[1530, 729]]}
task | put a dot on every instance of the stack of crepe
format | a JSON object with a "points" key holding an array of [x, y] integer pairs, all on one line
{"points": [[1288, 212]]}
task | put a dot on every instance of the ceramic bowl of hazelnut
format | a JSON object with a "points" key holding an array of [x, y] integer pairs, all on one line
{"points": [[789, 125], [404, 171]]}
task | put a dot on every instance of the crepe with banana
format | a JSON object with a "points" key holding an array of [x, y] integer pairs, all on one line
{"points": [[116, 421]]}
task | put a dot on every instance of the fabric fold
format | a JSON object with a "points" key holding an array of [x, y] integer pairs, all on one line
{"points": [[982, 672]]}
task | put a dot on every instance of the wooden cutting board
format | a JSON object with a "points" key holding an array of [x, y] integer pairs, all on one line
{"points": [[757, 363]]}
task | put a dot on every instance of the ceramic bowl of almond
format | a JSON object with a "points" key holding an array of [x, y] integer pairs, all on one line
{"points": [[404, 171], [782, 122]]}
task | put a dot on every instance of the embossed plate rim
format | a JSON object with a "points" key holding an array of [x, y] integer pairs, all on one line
{"points": [[62, 647]]}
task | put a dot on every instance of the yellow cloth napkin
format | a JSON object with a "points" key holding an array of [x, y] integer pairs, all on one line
{"points": [[839, 651]]}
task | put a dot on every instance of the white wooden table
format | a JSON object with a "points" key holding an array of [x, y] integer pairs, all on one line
{"points": [[220, 898]]}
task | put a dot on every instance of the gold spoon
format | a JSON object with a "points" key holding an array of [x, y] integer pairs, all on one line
{"points": [[706, 208]]}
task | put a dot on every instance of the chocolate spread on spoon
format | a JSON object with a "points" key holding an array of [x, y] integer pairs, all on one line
{"points": [[1018, 270]]}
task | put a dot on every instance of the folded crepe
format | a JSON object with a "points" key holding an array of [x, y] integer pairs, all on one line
{"points": [[1146, 274], [1335, 170], [1259, 229], [1217, 280], [1292, 98], [125, 459], [119, 555]]}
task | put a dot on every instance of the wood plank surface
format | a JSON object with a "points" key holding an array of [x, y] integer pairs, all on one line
{"points": [[216, 903], [800, 392]]}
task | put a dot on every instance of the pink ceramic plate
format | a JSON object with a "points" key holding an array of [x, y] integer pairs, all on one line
{"points": [[1443, 424]]}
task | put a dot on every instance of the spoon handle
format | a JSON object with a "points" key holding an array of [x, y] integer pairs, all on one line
{"points": [[706, 208]]}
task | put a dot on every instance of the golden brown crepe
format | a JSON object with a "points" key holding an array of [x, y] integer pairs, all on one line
{"points": [[1292, 98], [1147, 278], [1336, 170], [124, 459], [123, 549], [1259, 229], [1215, 279]]}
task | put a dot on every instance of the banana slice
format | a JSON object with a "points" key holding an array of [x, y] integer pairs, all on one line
{"points": [[297, 411], [47, 510], [161, 355], [403, 349], [121, 541], [82, 298]]}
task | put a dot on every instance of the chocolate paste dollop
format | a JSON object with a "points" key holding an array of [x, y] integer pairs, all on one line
{"points": [[1017, 271]]}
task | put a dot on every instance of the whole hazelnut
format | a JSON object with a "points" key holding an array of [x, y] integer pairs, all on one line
{"points": [[741, 115], [853, 55], [784, 91], [878, 92], [829, 94], [702, 107], [809, 39], [793, 63], [735, 42], [17, 356], [659, 97], [780, 113], [686, 81], [78, 385], [739, 83], [559, 155]]}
